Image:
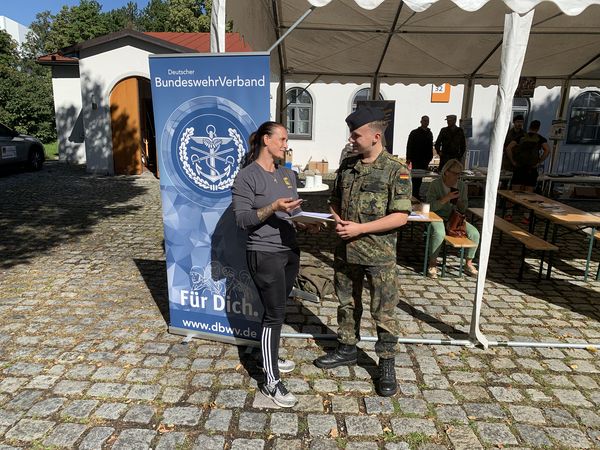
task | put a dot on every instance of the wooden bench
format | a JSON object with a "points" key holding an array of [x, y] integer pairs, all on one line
{"points": [[460, 243], [527, 240]]}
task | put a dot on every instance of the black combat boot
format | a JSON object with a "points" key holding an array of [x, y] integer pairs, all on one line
{"points": [[386, 385], [344, 355]]}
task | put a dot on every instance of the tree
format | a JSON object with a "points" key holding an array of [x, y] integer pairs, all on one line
{"points": [[73, 24], [127, 17], [183, 16], [35, 41], [9, 59], [154, 16], [8, 50], [26, 102], [26, 87], [189, 15], [76, 24]]}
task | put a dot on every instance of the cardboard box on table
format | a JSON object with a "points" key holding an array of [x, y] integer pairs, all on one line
{"points": [[321, 166]]}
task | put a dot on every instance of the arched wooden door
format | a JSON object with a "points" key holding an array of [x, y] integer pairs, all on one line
{"points": [[125, 124]]}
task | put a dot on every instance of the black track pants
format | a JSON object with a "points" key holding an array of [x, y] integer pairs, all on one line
{"points": [[274, 274]]}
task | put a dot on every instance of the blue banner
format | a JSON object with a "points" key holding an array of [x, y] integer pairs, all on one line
{"points": [[205, 108]]}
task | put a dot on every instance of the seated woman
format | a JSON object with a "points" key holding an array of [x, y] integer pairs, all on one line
{"points": [[444, 194]]}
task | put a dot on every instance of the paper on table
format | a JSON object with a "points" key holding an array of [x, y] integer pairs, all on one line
{"points": [[311, 217], [553, 208], [416, 215]]}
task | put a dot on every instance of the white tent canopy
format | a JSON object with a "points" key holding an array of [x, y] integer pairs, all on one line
{"points": [[478, 41], [421, 40]]}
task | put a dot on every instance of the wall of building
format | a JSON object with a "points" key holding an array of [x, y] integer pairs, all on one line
{"points": [[17, 31], [68, 114], [333, 102], [100, 71], [581, 157]]}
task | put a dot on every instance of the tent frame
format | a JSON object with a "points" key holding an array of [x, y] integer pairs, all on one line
{"points": [[517, 29]]}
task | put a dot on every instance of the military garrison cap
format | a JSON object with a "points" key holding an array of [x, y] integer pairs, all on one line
{"points": [[364, 115]]}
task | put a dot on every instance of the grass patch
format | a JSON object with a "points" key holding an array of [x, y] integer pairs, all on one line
{"points": [[416, 439], [341, 442], [389, 436], [302, 426], [51, 150]]}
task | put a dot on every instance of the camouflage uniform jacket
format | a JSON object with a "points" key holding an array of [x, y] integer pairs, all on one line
{"points": [[367, 192]]}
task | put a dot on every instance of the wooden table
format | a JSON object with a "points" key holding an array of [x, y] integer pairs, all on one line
{"points": [[427, 218], [470, 175], [558, 214], [548, 181]]}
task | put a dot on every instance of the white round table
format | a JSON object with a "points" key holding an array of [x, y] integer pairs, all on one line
{"points": [[320, 188]]}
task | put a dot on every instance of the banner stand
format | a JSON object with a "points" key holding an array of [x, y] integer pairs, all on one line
{"points": [[205, 108]]}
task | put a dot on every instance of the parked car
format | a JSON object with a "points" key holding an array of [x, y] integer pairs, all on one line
{"points": [[17, 148]]}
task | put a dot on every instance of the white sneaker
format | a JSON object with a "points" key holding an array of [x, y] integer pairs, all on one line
{"points": [[279, 394], [284, 365]]}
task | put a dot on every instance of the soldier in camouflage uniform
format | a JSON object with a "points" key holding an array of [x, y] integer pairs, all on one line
{"points": [[370, 201]]}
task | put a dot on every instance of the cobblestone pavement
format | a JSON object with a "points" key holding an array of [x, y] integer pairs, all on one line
{"points": [[86, 360]]}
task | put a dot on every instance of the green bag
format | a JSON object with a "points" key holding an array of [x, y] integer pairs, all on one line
{"points": [[314, 280]]}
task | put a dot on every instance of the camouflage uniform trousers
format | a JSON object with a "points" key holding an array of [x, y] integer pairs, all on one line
{"points": [[383, 284]]}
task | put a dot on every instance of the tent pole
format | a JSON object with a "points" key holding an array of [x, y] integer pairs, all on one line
{"points": [[467, 104], [375, 88], [467, 108], [304, 89], [290, 29], [560, 114], [280, 115], [448, 341], [217, 26], [581, 345], [281, 106], [329, 336], [375, 83]]}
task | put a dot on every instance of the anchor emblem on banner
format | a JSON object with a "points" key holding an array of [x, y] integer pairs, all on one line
{"points": [[213, 143], [212, 167]]}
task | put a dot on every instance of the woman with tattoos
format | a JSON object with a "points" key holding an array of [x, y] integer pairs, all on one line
{"points": [[264, 193]]}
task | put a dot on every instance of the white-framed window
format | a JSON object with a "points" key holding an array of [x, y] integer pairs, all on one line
{"points": [[584, 120], [363, 94], [521, 106], [299, 113]]}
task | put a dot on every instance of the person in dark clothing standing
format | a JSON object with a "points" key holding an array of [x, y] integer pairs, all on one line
{"points": [[514, 134], [263, 195], [451, 142], [526, 155], [419, 152]]}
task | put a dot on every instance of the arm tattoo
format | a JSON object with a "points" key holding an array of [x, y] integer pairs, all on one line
{"points": [[265, 212]]}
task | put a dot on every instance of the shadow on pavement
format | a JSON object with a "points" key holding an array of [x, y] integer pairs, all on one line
{"points": [[568, 293], [43, 210], [154, 273], [250, 356], [442, 327]]}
